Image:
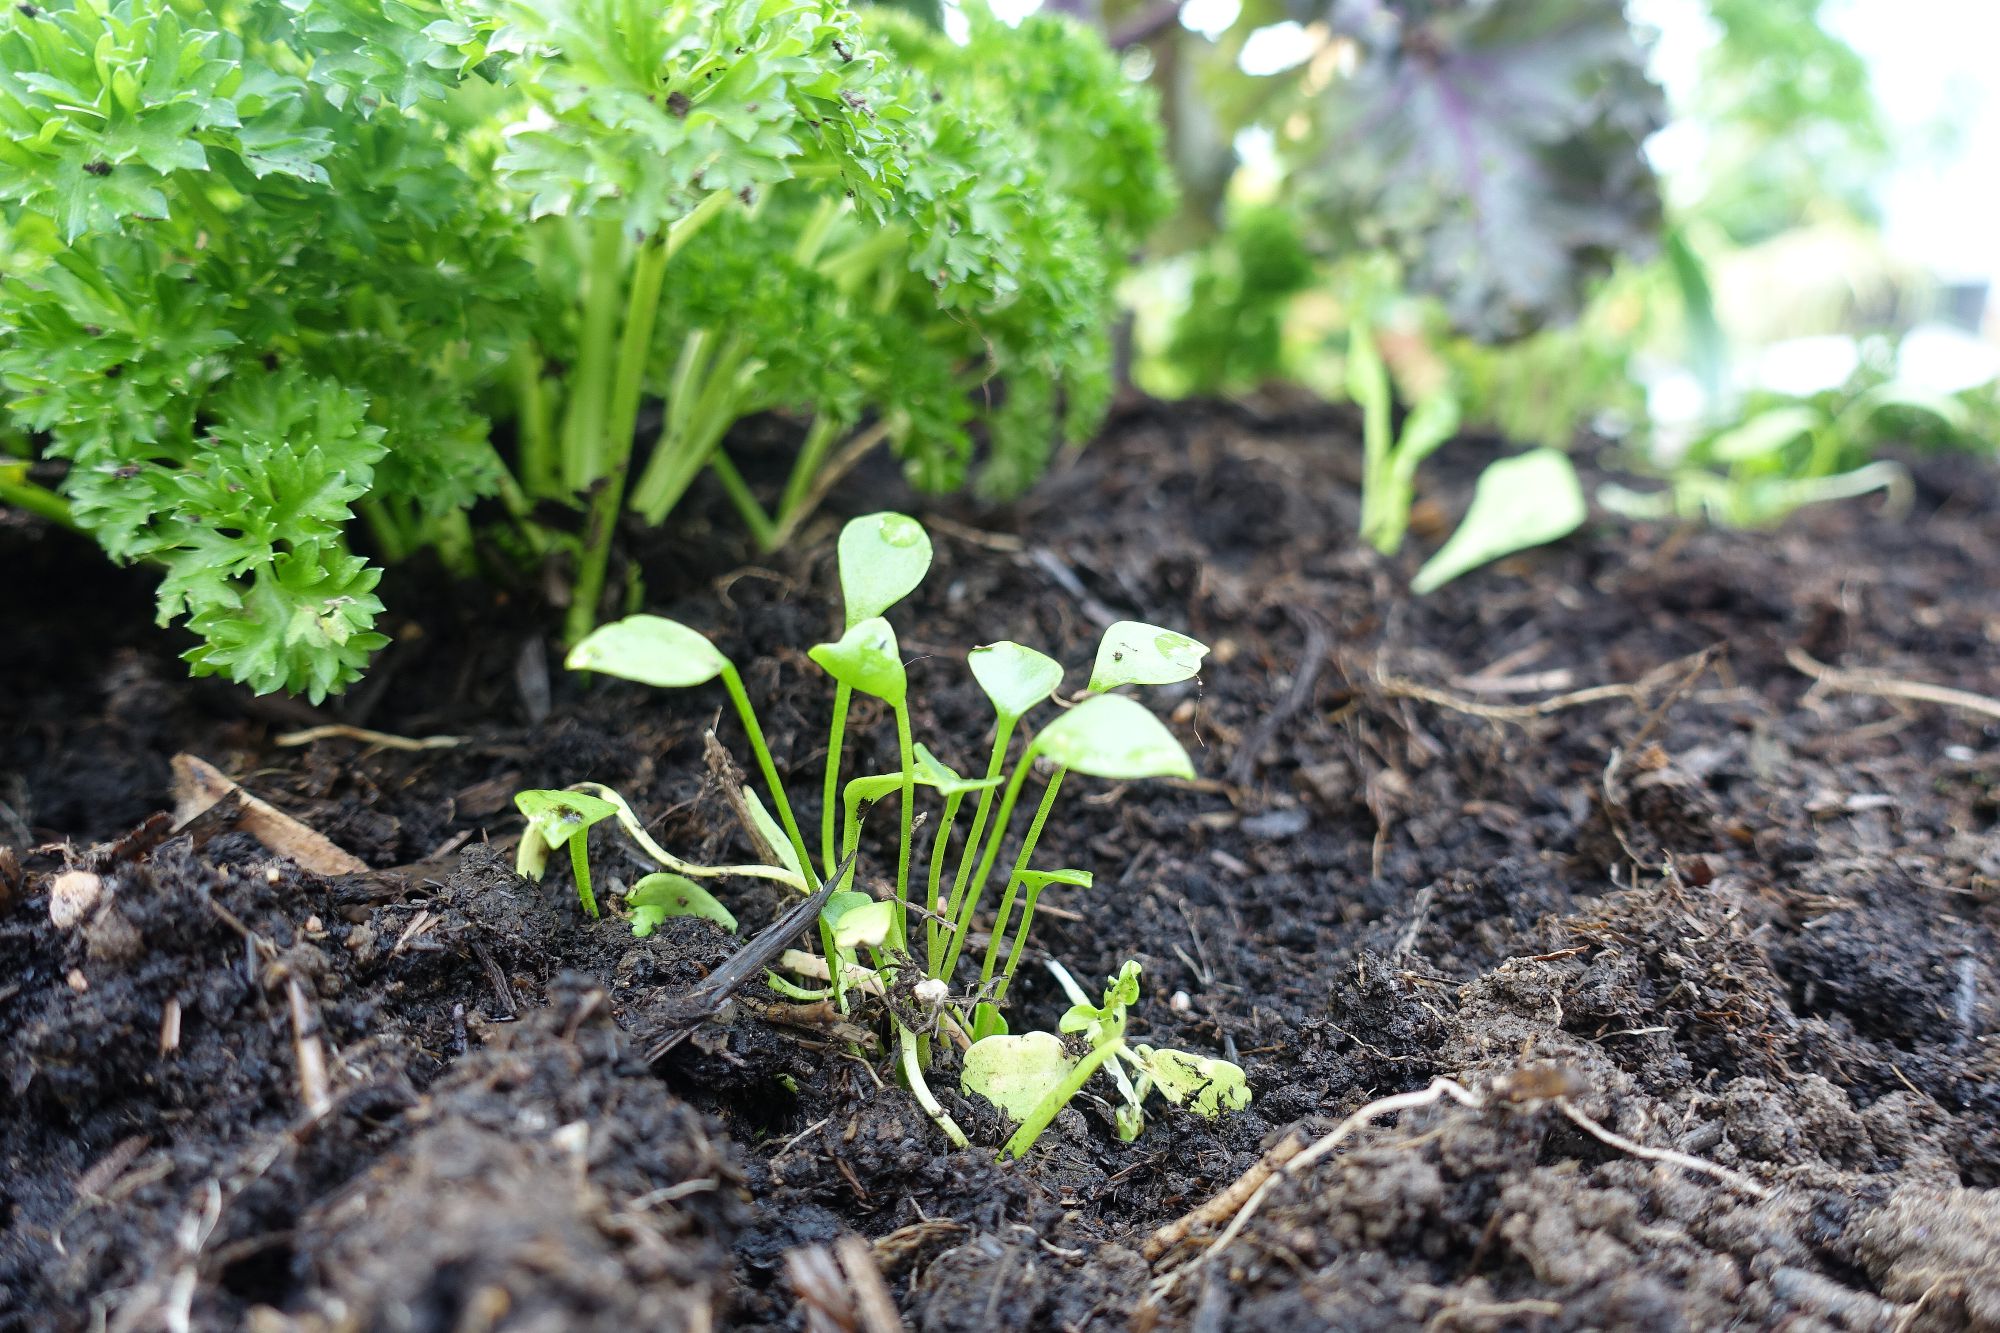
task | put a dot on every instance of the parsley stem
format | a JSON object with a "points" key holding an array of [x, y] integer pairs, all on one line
{"points": [[25, 494], [812, 453], [536, 446], [739, 493], [616, 421], [583, 434]]}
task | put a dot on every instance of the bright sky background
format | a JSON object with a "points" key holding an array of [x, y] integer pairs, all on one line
{"points": [[1932, 66]]}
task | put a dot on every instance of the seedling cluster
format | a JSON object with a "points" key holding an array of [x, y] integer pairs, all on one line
{"points": [[908, 946]]}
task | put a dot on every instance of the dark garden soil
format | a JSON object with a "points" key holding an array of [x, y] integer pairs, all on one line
{"points": [[1717, 911]]}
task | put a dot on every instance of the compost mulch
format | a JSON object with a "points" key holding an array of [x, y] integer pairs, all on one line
{"points": [[1705, 942]]}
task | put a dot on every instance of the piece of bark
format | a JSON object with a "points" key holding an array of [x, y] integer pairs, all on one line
{"points": [[200, 785]]}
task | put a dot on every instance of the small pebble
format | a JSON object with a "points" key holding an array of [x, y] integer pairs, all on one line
{"points": [[1277, 824], [73, 896], [77, 981]]}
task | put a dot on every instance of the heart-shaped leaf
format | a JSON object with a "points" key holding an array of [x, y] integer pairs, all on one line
{"points": [[659, 896], [559, 815], [651, 650], [867, 659], [1015, 1073], [883, 557], [1113, 736], [554, 817], [1519, 503], [1208, 1086], [1135, 653], [1015, 677]]}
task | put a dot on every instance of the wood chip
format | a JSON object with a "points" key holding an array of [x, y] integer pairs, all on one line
{"points": [[200, 785]]}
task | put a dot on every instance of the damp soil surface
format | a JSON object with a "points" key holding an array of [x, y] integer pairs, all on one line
{"points": [[1702, 944]]}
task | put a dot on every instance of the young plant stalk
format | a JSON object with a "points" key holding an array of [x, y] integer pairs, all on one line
{"points": [[1021, 863], [843, 698], [974, 885], [1051, 1105], [733, 683], [905, 752], [935, 922], [913, 1075], [579, 864], [958, 911]]}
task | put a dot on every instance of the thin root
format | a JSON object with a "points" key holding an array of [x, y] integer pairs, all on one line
{"points": [[1639, 691], [1734, 1179], [1887, 687], [381, 740]]}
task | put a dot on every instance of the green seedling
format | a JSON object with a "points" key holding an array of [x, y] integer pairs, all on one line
{"points": [[1518, 502], [870, 943], [1389, 463], [1786, 457], [1529, 500], [556, 818], [1032, 1077]]}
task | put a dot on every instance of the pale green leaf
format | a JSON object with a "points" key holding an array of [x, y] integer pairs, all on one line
{"points": [[659, 896], [867, 659], [1519, 503], [1113, 736], [1209, 1086], [651, 650], [557, 816], [1015, 1073], [927, 770], [1038, 880], [883, 557], [1106, 1022], [1015, 678], [1135, 653], [772, 835], [1763, 434], [868, 922]]}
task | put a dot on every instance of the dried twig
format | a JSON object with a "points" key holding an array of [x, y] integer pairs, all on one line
{"points": [[841, 1289], [1639, 691], [1225, 1204], [306, 1047], [1887, 687], [871, 1293], [381, 740], [1439, 1089], [1530, 1085]]}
